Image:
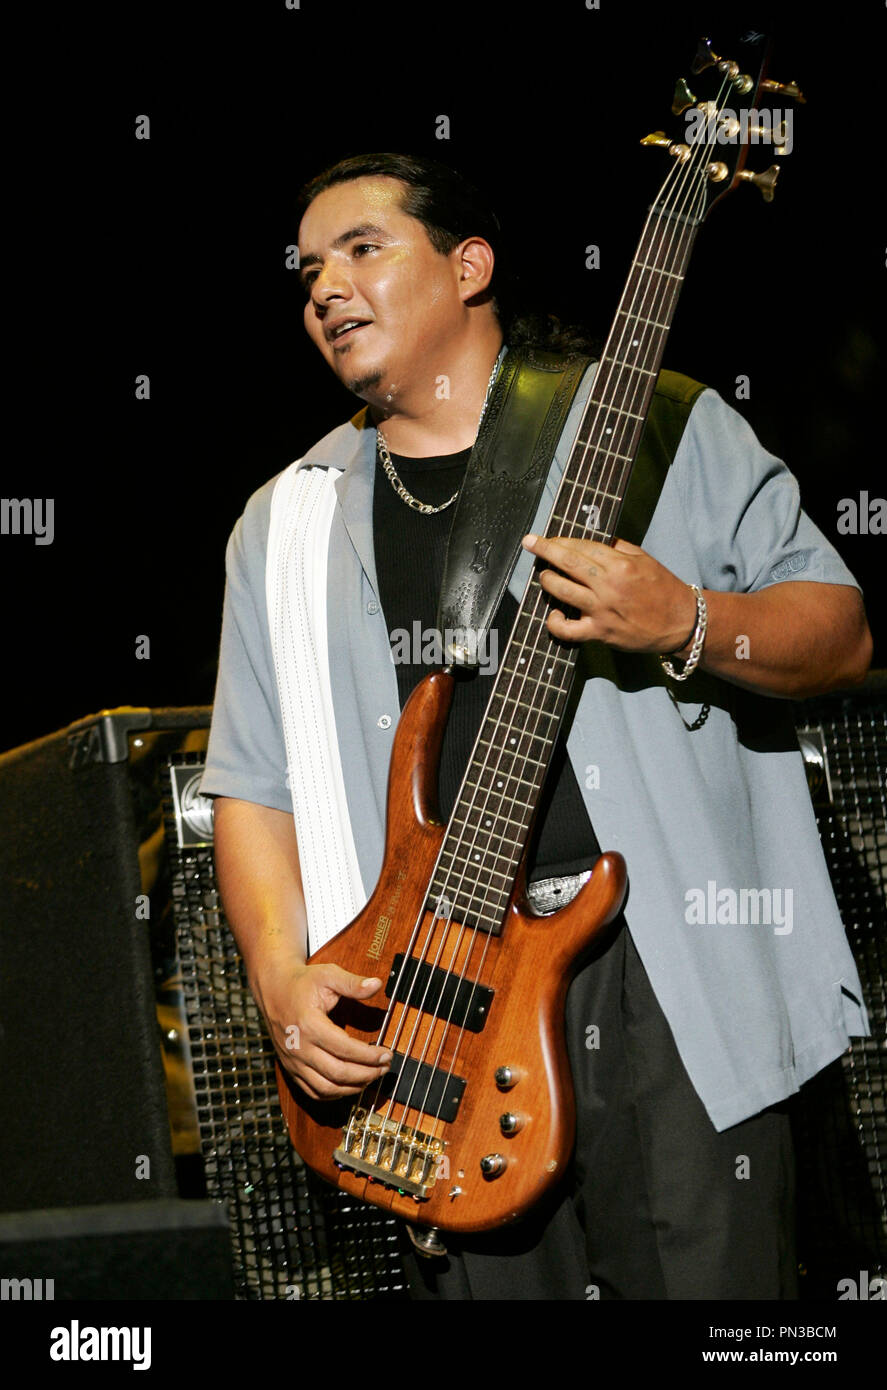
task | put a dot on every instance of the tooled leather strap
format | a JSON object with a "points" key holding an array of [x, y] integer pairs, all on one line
{"points": [[506, 473]]}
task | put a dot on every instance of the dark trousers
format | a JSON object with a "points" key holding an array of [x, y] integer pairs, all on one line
{"points": [[657, 1204]]}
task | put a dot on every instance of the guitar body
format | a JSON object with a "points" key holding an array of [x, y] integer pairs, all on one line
{"points": [[528, 968]]}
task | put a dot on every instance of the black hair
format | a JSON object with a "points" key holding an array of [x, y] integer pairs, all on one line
{"points": [[451, 209]]}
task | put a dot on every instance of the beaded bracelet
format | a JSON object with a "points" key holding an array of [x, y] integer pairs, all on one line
{"points": [[698, 640]]}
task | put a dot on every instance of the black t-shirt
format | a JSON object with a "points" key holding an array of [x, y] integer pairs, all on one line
{"points": [[410, 551]]}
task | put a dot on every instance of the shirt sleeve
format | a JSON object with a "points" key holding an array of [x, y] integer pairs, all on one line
{"points": [[744, 508], [246, 757]]}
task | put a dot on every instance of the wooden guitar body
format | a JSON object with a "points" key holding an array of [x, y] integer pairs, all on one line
{"points": [[472, 1173]]}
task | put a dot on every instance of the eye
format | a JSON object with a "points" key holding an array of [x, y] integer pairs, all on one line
{"points": [[365, 246]]}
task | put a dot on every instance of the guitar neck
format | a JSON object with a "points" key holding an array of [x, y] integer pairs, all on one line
{"points": [[597, 475], [497, 800]]}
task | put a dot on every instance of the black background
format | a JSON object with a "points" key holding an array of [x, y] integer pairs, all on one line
{"points": [[166, 257]]}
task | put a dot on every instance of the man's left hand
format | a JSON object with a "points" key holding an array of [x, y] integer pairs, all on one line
{"points": [[623, 596], [792, 639]]}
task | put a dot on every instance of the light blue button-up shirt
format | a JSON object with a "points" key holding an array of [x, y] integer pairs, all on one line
{"points": [[730, 903]]}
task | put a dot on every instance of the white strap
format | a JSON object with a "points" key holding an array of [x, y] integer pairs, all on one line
{"points": [[302, 509]]}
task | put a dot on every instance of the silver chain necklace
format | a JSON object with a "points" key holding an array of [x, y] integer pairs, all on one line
{"points": [[385, 459]]}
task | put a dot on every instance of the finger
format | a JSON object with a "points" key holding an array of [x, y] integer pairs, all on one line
{"points": [[318, 1031], [320, 1087], [571, 629], [576, 594], [343, 983], [329, 1071], [341, 1070], [570, 553]]}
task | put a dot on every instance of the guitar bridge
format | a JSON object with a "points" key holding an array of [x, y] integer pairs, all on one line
{"points": [[390, 1153]]}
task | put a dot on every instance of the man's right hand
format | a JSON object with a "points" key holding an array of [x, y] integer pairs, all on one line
{"points": [[260, 880], [257, 864], [322, 1059]]}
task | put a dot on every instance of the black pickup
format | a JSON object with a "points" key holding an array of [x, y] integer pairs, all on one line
{"points": [[422, 1087], [441, 993]]}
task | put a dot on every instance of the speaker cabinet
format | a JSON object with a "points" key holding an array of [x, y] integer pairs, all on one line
{"points": [[293, 1235], [841, 1115], [137, 1250], [85, 1112]]}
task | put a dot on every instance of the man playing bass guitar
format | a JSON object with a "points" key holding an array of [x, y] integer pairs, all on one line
{"points": [[728, 982]]}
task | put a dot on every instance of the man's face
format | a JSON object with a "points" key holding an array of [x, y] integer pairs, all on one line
{"points": [[362, 258]]}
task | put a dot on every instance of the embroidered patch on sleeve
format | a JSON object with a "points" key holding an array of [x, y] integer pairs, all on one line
{"points": [[792, 564]]}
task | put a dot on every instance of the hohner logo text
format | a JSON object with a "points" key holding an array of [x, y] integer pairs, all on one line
{"points": [[383, 927]]}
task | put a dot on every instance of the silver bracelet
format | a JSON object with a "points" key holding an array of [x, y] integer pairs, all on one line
{"points": [[698, 640]]}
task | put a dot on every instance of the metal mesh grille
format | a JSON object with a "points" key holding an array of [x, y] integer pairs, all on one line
{"points": [[293, 1236], [841, 1117]]}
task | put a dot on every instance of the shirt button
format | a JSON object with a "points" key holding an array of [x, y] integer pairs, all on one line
{"points": [[384, 721], [372, 606]]}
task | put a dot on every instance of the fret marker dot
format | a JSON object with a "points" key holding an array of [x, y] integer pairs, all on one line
{"points": [[489, 822], [523, 661], [477, 856], [500, 784], [608, 430], [512, 740], [635, 343]]}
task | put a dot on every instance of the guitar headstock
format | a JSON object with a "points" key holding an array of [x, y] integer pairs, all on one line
{"points": [[727, 106]]}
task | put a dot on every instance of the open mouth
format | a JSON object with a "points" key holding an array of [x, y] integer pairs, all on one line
{"points": [[347, 331]]}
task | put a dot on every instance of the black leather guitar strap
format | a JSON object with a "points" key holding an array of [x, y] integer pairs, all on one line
{"points": [[509, 463]]}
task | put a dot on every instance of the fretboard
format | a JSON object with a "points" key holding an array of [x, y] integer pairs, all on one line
{"points": [[497, 800]]}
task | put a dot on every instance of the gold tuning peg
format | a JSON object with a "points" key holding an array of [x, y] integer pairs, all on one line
{"points": [[659, 138], [705, 57], [784, 89], [683, 97], [766, 181]]}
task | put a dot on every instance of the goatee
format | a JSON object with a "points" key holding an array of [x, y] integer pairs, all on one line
{"points": [[359, 384]]}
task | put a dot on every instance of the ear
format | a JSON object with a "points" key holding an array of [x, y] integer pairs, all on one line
{"points": [[474, 259]]}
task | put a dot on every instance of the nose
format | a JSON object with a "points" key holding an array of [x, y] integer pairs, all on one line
{"points": [[330, 283]]}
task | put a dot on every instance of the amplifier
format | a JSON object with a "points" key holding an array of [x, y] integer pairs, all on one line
{"points": [[293, 1235], [841, 1115]]}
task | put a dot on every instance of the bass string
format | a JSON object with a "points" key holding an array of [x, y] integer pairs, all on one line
{"points": [[635, 309], [673, 290], [448, 1020], [478, 973], [395, 999]]}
